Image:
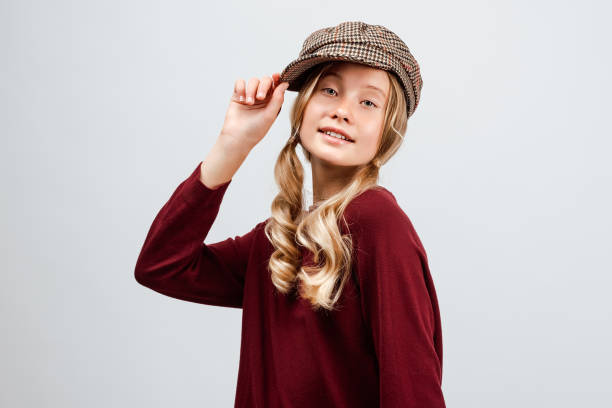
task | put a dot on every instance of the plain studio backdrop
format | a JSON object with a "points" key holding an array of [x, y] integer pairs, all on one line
{"points": [[107, 106]]}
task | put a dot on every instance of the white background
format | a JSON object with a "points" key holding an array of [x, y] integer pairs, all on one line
{"points": [[107, 106]]}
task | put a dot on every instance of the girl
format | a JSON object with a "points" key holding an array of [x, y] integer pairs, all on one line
{"points": [[339, 307]]}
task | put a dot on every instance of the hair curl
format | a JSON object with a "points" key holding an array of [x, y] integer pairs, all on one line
{"points": [[290, 226]]}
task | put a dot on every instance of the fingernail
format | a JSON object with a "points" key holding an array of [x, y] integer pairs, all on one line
{"points": [[260, 95], [241, 98], [249, 99]]}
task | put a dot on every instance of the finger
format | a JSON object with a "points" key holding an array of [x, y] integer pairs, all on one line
{"points": [[250, 90], [239, 87], [278, 96], [264, 85], [275, 79]]}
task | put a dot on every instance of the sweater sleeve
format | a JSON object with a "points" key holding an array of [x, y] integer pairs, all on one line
{"points": [[176, 262], [399, 305]]}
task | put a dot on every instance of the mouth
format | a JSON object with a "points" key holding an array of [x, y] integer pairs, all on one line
{"points": [[332, 137]]}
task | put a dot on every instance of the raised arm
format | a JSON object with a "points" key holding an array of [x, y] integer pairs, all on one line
{"points": [[174, 260]]}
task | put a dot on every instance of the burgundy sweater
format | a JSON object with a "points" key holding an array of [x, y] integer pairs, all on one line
{"points": [[383, 348]]}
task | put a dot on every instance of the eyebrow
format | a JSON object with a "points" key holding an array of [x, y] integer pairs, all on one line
{"points": [[370, 86]]}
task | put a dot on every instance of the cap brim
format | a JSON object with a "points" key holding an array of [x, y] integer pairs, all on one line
{"points": [[295, 72]]}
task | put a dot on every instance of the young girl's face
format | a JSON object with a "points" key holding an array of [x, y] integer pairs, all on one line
{"points": [[351, 98]]}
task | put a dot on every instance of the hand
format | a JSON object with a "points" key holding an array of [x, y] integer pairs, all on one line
{"points": [[247, 121]]}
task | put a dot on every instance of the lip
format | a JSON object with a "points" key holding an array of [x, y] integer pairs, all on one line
{"points": [[336, 130], [334, 140]]}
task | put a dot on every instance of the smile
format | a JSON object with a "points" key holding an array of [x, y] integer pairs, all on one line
{"points": [[335, 139]]}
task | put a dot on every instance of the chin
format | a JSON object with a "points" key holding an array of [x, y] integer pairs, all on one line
{"points": [[327, 154], [331, 160]]}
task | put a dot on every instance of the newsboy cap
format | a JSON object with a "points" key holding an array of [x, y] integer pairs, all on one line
{"points": [[356, 41]]}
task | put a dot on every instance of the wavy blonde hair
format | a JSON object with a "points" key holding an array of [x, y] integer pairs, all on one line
{"points": [[290, 226]]}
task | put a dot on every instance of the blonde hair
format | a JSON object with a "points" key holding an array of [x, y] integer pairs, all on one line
{"points": [[290, 227]]}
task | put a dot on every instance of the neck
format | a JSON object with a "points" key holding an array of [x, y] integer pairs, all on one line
{"points": [[328, 179]]}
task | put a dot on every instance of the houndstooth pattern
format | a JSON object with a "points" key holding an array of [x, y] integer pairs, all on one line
{"points": [[356, 41]]}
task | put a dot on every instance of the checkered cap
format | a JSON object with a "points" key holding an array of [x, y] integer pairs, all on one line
{"points": [[358, 42]]}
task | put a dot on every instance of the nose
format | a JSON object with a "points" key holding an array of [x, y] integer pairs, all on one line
{"points": [[340, 111]]}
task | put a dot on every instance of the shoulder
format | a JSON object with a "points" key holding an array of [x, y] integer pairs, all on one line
{"points": [[375, 215], [374, 205]]}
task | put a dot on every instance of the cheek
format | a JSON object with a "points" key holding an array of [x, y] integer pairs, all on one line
{"points": [[307, 133], [313, 110], [375, 134], [371, 143]]}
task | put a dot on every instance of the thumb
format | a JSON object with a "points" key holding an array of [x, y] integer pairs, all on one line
{"points": [[278, 96]]}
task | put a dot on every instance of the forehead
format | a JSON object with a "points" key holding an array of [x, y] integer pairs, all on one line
{"points": [[345, 68]]}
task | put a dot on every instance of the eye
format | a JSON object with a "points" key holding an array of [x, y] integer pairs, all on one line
{"points": [[373, 105]]}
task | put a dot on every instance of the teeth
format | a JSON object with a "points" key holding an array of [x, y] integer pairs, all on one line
{"points": [[334, 134]]}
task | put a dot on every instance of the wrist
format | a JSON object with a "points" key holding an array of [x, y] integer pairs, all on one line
{"points": [[231, 145]]}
